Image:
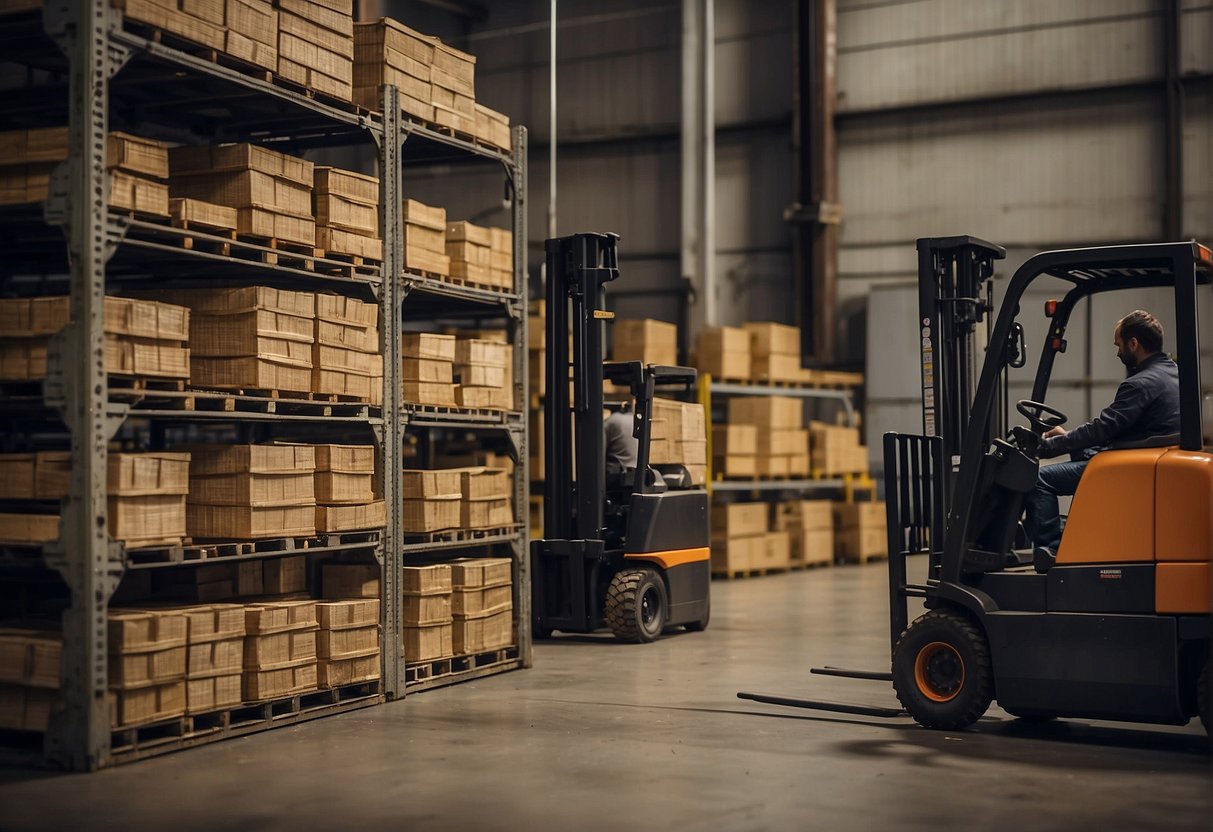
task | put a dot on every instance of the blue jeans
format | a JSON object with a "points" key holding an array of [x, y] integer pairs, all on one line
{"points": [[1042, 520]]}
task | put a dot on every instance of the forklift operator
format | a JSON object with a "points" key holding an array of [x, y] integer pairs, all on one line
{"points": [[619, 443], [1146, 405]]}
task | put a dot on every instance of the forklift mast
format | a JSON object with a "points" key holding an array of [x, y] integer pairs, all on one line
{"points": [[578, 269]]}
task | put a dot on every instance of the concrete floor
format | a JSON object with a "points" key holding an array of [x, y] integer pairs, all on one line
{"points": [[602, 736]]}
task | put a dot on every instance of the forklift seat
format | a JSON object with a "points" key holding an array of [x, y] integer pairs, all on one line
{"points": [[1163, 441]]}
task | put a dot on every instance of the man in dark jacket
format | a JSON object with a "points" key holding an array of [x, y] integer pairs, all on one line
{"points": [[1146, 404]]}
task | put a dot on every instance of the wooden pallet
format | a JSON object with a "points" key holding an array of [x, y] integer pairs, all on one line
{"points": [[452, 666], [863, 559], [459, 535], [801, 566], [258, 401], [192, 550]]}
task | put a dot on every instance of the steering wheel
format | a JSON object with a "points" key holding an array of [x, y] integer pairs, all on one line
{"points": [[1036, 413]]}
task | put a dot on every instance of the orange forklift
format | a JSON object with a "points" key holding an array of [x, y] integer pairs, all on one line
{"points": [[1118, 626]]}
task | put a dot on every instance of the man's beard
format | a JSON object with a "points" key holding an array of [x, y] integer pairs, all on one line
{"points": [[1129, 361]]}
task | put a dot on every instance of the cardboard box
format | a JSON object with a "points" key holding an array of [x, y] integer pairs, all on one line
{"points": [[483, 601], [334, 673], [147, 667], [493, 128], [350, 580], [348, 614], [192, 213], [350, 518], [17, 476], [736, 466], [678, 420], [464, 230], [348, 642], [137, 156], [427, 239], [431, 515], [861, 544], [213, 522], [421, 260], [422, 610], [387, 52], [775, 368], [254, 490], [138, 195], [427, 345], [31, 657], [767, 412], [782, 442], [476, 573], [141, 706], [775, 552], [728, 440], [859, 515], [731, 555], [161, 16], [148, 520], [258, 686], [337, 241], [806, 514], [647, 341], [740, 519], [486, 514], [418, 484], [484, 483], [270, 617], [213, 693], [350, 312], [428, 370], [724, 352], [426, 580], [137, 631], [773, 467], [427, 643], [770, 338], [425, 216], [481, 633], [31, 529], [812, 547], [27, 709]]}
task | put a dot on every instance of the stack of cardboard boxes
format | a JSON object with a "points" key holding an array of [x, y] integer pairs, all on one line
{"points": [[429, 368], [453, 88], [215, 656], [724, 353], [347, 214], [425, 239], [279, 649], [346, 360], [487, 498], [484, 372], [432, 500], [470, 248], [252, 31], [348, 642], [678, 435], [861, 531], [782, 443], [836, 450], [30, 677], [734, 451], [316, 45], [147, 661], [810, 525], [493, 128], [742, 540], [251, 491], [345, 489], [388, 52], [482, 604], [774, 352], [501, 259], [647, 341], [143, 338], [428, 622], [271, 192]]}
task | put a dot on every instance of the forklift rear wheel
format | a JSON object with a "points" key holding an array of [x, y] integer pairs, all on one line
{"points": [[636, 605], [941, 671]]}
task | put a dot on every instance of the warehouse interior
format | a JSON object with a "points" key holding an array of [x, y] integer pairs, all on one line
{"points": [[556, 414]]}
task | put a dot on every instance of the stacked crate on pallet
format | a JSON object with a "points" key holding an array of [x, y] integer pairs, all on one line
{"points": [[429, 367], [860, 531], [501, 258], [487, 498], [347, 214], [428, 624], [734, 451], [810, 525], [678, 434], [425, 239], [453, 88], [345, 491], [346, 359], [349, 580], [279, 649], [740, 539], [143, 339], [782, 442], [774, 351], [147, 662], [251, 491], [724, 353], [347, 642], [432, 500], [215, 656], [271, 192], [482, 604], [183, 18], [647, 341], [30, 677], [252, 32], [388, 52], [470, 249], [284, 576], [836, 450], [252, 338], [138, 169], [484, 371], [316, 45], [493, 128]]}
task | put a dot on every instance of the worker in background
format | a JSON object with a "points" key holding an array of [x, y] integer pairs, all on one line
{"points": [[1146, 405], [619, 445]]}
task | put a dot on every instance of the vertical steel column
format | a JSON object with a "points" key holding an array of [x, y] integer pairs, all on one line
{"points": [[816, 213], [1173, 124], [521, 434], [551, 125], [392, 433], [698, 146], [90, 564]]}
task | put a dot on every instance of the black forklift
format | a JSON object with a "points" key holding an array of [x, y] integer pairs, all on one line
{"points": [[627, 550], [1116, 625]]}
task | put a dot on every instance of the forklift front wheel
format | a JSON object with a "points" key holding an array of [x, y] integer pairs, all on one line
{"points": [[636, 605], [941, 671]]}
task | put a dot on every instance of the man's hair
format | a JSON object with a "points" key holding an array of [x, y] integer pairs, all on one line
{"points": [[1144, 327]]}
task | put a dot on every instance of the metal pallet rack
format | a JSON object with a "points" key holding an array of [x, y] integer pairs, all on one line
{"points": [[115, 73]]}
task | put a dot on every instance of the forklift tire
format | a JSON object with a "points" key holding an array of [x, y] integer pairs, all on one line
{"points": [[702, 624], [636, 605], [941, 671]]}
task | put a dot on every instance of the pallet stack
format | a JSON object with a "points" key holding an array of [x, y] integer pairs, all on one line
{"points": [[346, 359], [428, 631], [470, 249], [147, 663], [742, 540], [484, 372], [487, 498], [346, 207], [271, 192], [861, 531], [251, 491], [428, 373], [774, 352], [810, 525], [143, 339], [836, 450], [501, 258], [316, 45], [388, 52], [782, 441], [425, 239], [252, 32], [215, 656], [345, 492], [250, 338], [30, 677], [279, 649], [647, 341], [678, 434], [724, 353], [453, 88], [432, 500], [348, 642], [482, 604]]}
